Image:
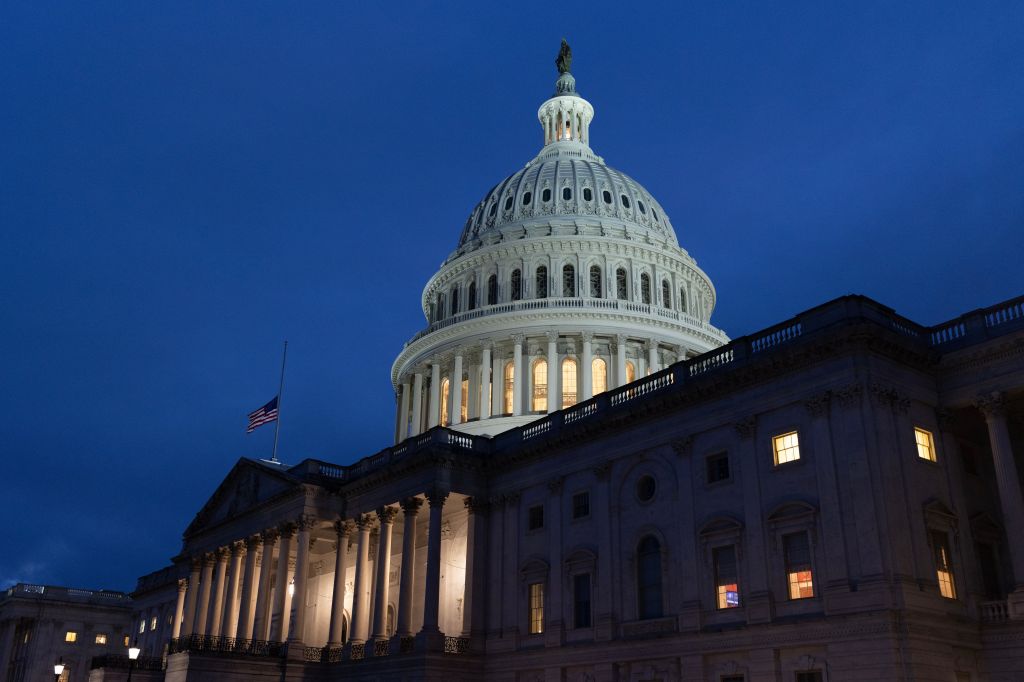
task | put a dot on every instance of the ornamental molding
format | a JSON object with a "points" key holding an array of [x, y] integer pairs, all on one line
{"points": [[992, 405], [849, 395], [888, 396], [817, 406]]}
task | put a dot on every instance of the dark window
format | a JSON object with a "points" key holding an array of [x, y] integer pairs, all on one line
{"points": [[727, 590], [718, 467], [567, 193], [508, 203], [535, 517], [621, 290], [666, 294], [732, 678], [809, 676], [494, 209], [472, 296], [439, 310], [545, 195], [625, 201], [648, 578], [526, 198], [797, 553], [645, 488], [492, 290], [682, 299], [640, 205], [645, 288], [580, 505], [654, 214], [581, 600], [568, 281], [517, 285], [595, 281], [607, 196], [989, 570], [969, 460], [587, 194], [542, 282], [455, 300]]}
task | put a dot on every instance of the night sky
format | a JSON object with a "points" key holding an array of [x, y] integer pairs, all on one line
{"points": [[182, 187]]}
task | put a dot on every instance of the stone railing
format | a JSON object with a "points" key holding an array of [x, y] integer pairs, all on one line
{"points": [[994, 611], [122, 662], [456, 645], [50, 592], [225, 646]]}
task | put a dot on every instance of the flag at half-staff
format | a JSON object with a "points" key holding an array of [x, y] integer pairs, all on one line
{"points": [[264, 415]]}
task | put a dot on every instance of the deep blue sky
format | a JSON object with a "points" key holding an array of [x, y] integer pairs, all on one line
{"points": [[184, 186]]}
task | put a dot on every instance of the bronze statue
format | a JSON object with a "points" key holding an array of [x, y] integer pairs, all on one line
{"points": [[564, 59]]}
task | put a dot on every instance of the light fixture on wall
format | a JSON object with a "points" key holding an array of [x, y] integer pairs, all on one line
{"points": [[291, 587], [58, 668]]}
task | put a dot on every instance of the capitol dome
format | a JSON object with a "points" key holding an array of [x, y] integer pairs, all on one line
{"points": [[567, 281]]}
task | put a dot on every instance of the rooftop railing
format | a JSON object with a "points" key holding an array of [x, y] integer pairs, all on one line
{"points": [[66, 593]]}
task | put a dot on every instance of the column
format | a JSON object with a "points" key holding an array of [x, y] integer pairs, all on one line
{"points": [[588, 366], [993, 407], [343, 530], [455, 392], [554, 395], [386, 515], [403, 414], [245, 610], [485, 381], [261, 616], [191, 598], [205, 584], [286, 531], [473, 625], [360, 609], [417, 402], [434, 409], [517, 375], [620, 360], [179, 609], [432, 591], [296, 627], [218, 591], [230, 618], [652, 356], [497, 385], [410, 509]]}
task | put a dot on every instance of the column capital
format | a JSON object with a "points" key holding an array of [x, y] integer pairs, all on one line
{"points": [[653, 343], [364, 522], [286, 529], [745, 427], [817, 406], [237, 548], [849, 396], [476, 506], [555, 484], [221, 554], [946, 419], [196, 563], [587, 336], [269, 536], [486, 344], [253, 541], [603, 470], [621, 339], [518, 339], [182, 584], [387, 514], [683, 446], [343, 528], [305, 522], [552, 336], [991, 404], [411, 505], [436, 497]]}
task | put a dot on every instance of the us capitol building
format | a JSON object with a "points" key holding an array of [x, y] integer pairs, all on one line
{"points": [[591, 483]]}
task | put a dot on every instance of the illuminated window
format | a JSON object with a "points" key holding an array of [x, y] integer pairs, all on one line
{"points": [[786, 447], [595, 281], [101, 638], [645, 288], [464, 409], [536, 608], [445, 386], [152, 623], [542, 281], [126, 640], [797, 553], [599, 370], [65, 675], [581, 600], [70, 636], [648, 578], [509, 388], [540, 386], [666, 294], [568, 281], [630, 372], [492, 290], [925, 444], [535, 517], [943, 564], [142, 626], [726, 578], [516, 285], [568, 383]]}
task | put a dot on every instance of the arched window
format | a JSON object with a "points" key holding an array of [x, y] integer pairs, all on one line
{"points": [[648, 578], [542, 281], [472, 296], [621, 291], [599, 370], [540, 386], [567, 193], [682, 299], [455, 300], [439, 310], [625, 201], [595, 281], [587, 194], [390, 623], [666, 294], [568, 281], [607, 196], [344, 629], [630, 372], [545, 196], [517, 285], [492, 290], [568, 383], [464, 411], [645, 288], [445, 390], [510, 376]]}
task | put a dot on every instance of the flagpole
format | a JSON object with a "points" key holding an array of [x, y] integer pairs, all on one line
{"points": [[280, 393]]}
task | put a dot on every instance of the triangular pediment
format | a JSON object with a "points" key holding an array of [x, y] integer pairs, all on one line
{"points": [[246, 487]]}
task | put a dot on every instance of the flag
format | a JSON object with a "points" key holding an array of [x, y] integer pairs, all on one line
{"points": [[264, 415]]}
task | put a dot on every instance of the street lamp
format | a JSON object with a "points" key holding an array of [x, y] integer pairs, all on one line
{"points": [[58, 668], [133, 653]]}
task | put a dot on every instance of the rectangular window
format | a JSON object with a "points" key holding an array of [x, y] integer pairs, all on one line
{"points": [[70, 636], [731, 678], [787, 447], [126, 640], [152, 623], [536, 608], [798, 565], [581, 600], [809, 676], [925, 444], [142, 626], [581, 505], [726, 577], [718, 467], [943, 564], [101, 638], [535, 517]]}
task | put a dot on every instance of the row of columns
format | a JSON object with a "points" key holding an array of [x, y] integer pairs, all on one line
{"points": [[488, 400]]}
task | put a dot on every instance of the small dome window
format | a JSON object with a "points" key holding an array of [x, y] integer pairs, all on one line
{"points": [[508, 203], [607, 196], [567, 193], [654, 214], [587, 194], [494, 209], [645, 488], [526, 198], [640, 205], [545, 195], [625, 201]]}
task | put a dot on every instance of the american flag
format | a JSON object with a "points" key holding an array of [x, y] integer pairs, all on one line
{"points": [[264, 415]]}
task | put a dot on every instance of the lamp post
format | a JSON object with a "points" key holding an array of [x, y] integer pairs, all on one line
{"points": [[58, 668], [133, 653]]}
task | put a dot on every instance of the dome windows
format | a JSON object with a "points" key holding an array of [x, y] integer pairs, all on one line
{"points": [[568, 383], [494, 209], [595, 281], [540, 386], [454, 298], [526, 198], [645, 288], [682, 299], [567, 193], [588, 195], [606, 195], [640, 205], [621, 290], [545, 196], [569, 281], [666, 294], [516, 284], [625, 201], [542, 281], [472, 296], [654, 214], [492, 290], [508, 203]]}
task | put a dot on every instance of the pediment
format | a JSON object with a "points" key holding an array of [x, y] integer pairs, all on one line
{"points": [[791, 511], [721, 525], [246, 487]]}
